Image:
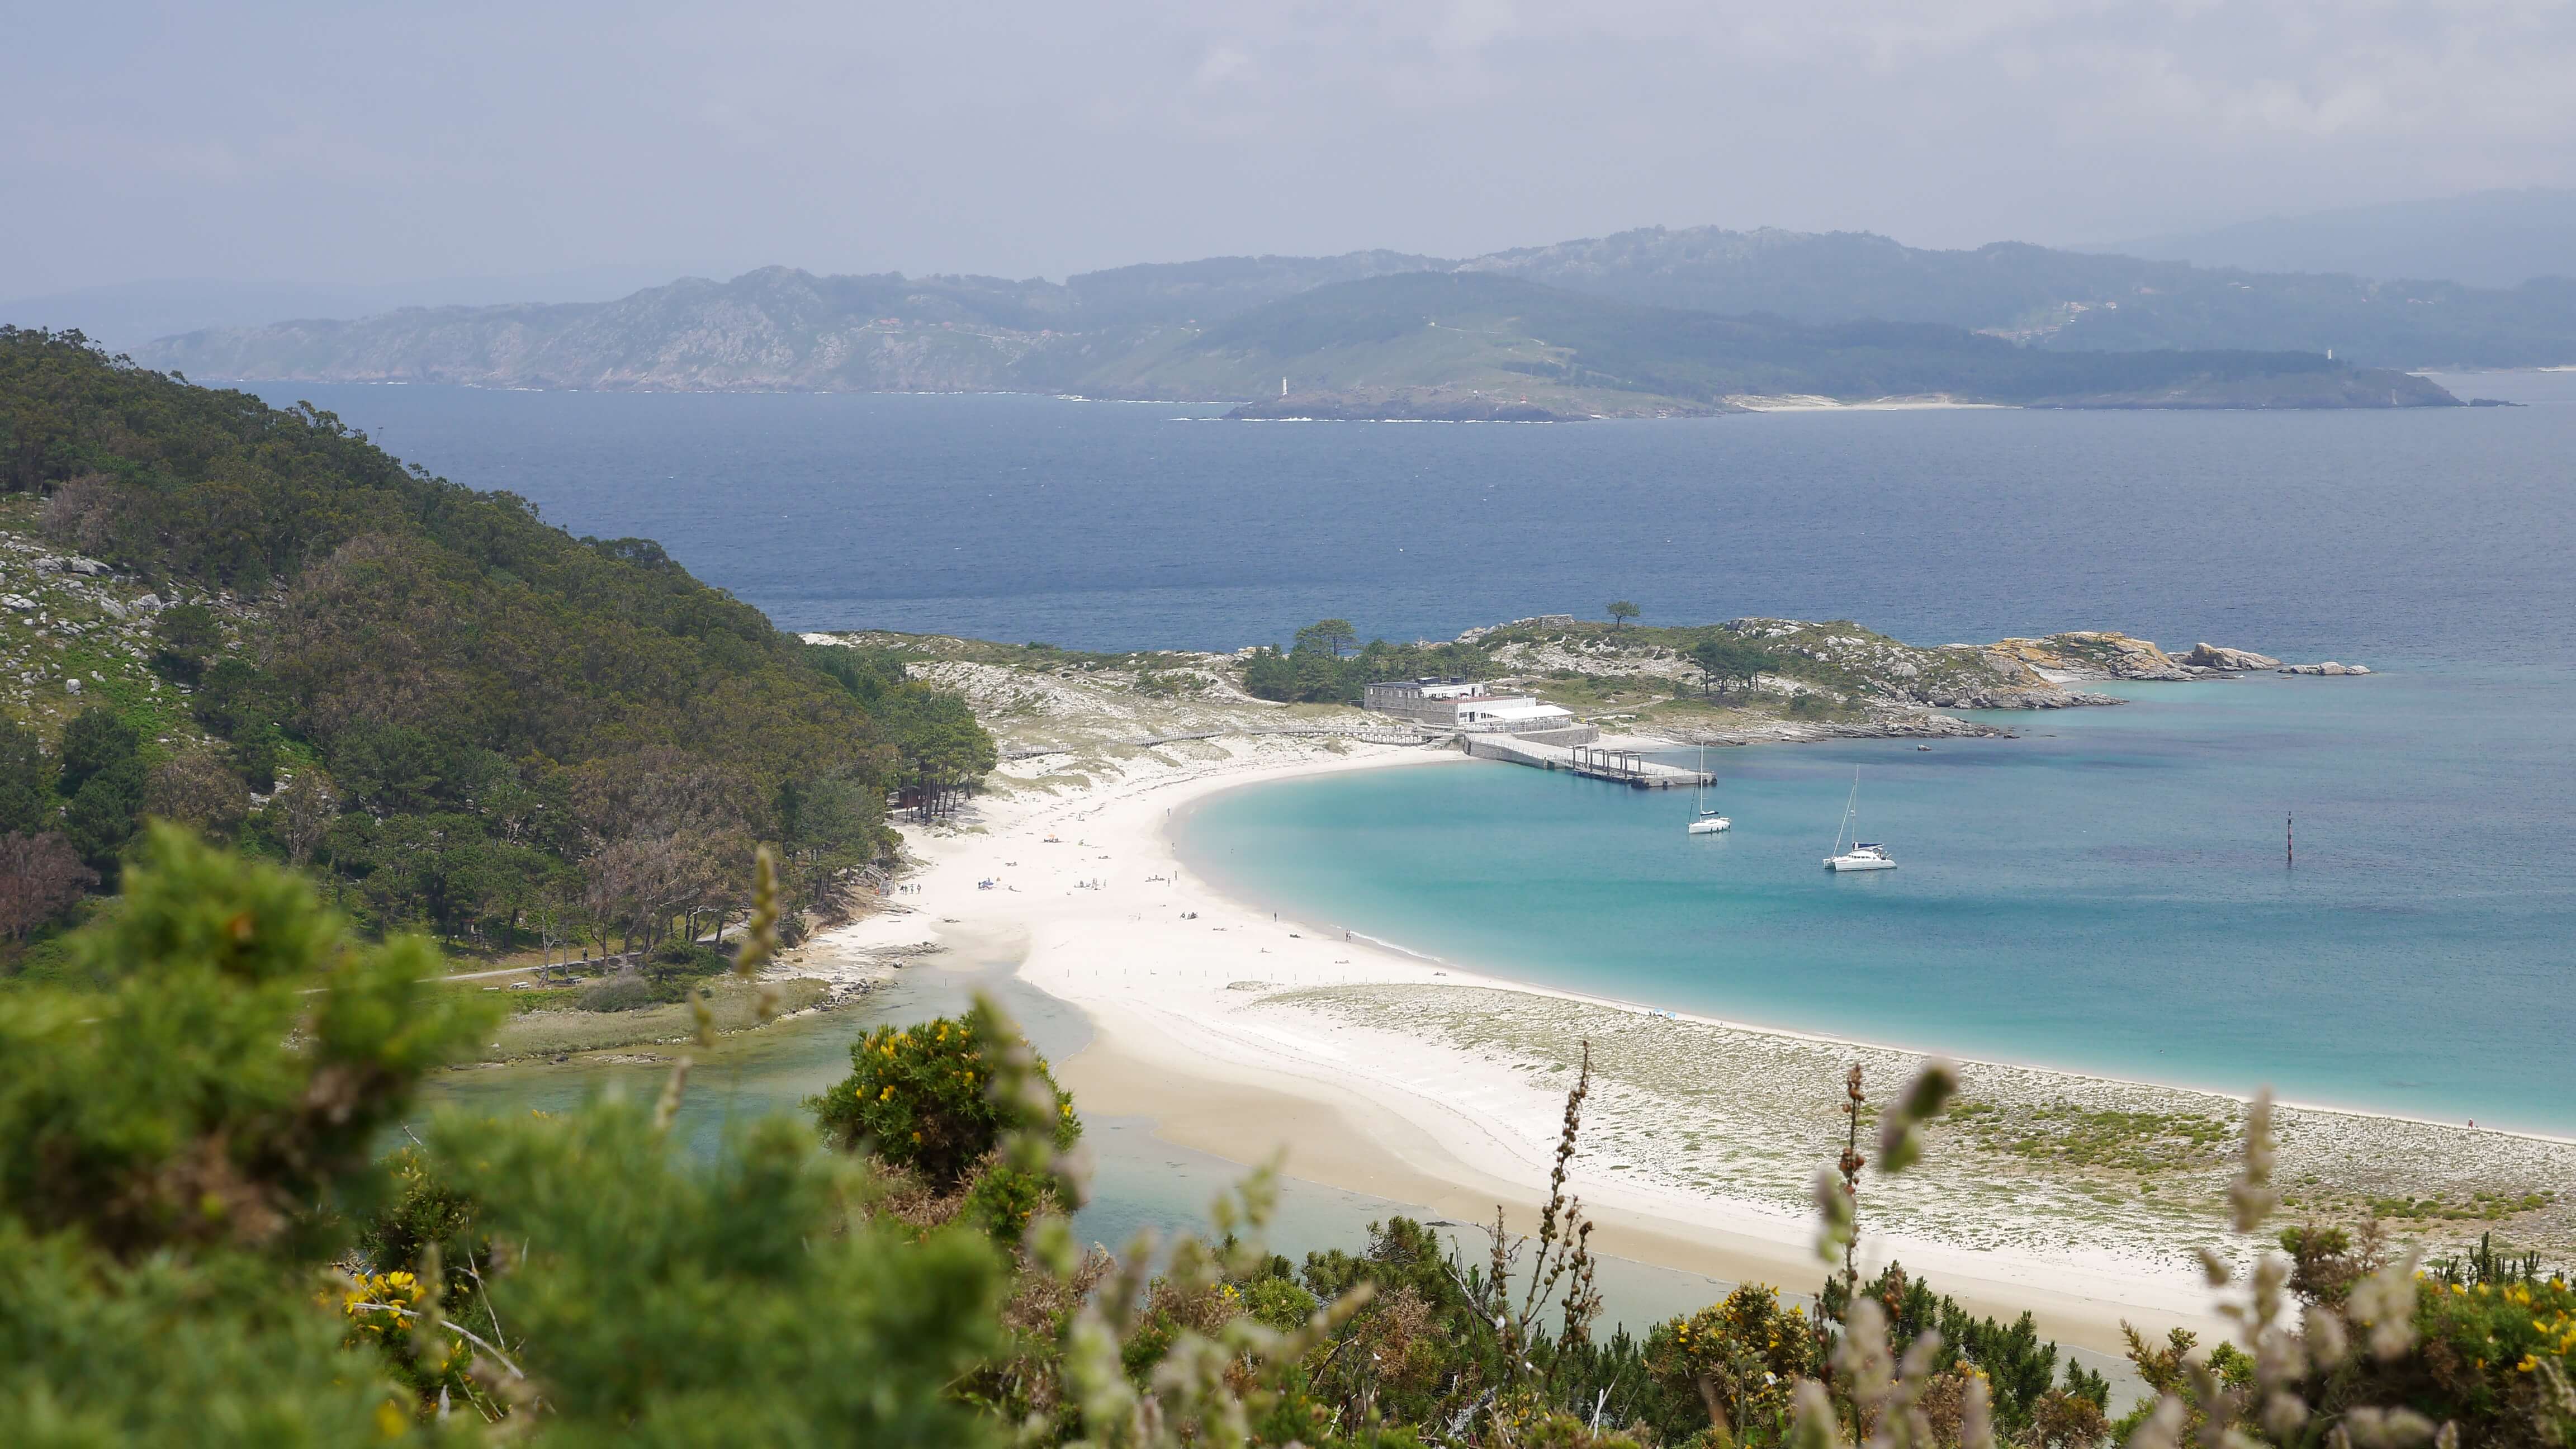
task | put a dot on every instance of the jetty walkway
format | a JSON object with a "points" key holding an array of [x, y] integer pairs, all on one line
{"points": [[1625, 767], [1389, 736]]}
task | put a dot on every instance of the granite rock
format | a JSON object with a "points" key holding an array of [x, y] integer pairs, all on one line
{"points": [[2213, 656]]}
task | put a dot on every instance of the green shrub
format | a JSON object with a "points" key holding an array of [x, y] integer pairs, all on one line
{"points": [[27, 804], [180, 1135], [662, 1300], [422, 1213], [686, 961], [1004, 1199], [254, 756], [1279, 1303], [237, 1062], [618, 993], [172, 1349], [921, 1097], [185, 634]]}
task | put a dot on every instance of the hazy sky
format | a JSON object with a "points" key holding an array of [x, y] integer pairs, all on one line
{"points": [[359, 142]]}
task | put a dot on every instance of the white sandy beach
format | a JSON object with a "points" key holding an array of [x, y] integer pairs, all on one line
{"points": [[1374, 1070], [1175, 977]]}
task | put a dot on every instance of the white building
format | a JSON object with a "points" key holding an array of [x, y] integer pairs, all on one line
{"points": [[1467, 705], [1512, 713]]}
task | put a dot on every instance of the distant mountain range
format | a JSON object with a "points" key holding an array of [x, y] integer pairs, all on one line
{"points": [[1479, 344], [126, 315], [2065, 300], [1644, 321], [2482, 239]]}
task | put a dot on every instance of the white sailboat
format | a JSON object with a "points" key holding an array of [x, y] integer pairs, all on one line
{"points": [[1864, 855], [1705, 821]]}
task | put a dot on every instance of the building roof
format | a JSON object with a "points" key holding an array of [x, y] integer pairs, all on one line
{"points": [[1523, 709]]}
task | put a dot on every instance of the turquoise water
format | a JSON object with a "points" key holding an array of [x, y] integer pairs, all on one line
{"points": [[2107, 893]]}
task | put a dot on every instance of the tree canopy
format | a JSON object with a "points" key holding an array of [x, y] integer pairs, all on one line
{"points": [[1723, 657], [1314, 671]]}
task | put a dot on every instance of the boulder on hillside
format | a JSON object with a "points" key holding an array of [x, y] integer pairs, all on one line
{"points": [[2212, 656]]}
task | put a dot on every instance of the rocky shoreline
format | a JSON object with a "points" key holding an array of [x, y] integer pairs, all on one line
{"points": [[1839, 680], [2088, 655], [1832, 680]]}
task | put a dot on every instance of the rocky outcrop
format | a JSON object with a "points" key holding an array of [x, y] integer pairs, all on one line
{"points": [[1911, 724], [1958, 676], [2231, 661], [1535, 621], [2092, 654], [2051, 697], [2330, 667]]}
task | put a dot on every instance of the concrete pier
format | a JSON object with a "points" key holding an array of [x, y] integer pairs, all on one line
{"points": [[1624, 767]]}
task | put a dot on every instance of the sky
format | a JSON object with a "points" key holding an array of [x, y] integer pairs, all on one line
{"points": [[358, 142]]}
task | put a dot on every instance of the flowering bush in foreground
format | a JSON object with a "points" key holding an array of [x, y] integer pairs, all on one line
{"points": [[1740, 1357], [921, 1097]]}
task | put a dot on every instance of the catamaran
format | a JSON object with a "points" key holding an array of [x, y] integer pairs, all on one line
{"points": [[1864, 855], [1705, 820]]}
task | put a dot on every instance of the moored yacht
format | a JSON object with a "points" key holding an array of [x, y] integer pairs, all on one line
{"points": [[1707, 821], [1864, 855], [1861, 857]]}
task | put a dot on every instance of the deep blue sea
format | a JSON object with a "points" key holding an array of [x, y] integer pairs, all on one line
{"points": [[2423, 535], [2105, 893]]}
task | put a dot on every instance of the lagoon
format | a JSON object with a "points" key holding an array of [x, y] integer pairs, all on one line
{"points": [[1139, 1184]]}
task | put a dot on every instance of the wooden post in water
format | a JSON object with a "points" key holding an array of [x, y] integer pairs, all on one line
{"points": [[2289, 840]]}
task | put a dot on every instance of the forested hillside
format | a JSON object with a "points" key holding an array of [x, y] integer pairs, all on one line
{"points": [[470, 720]]}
